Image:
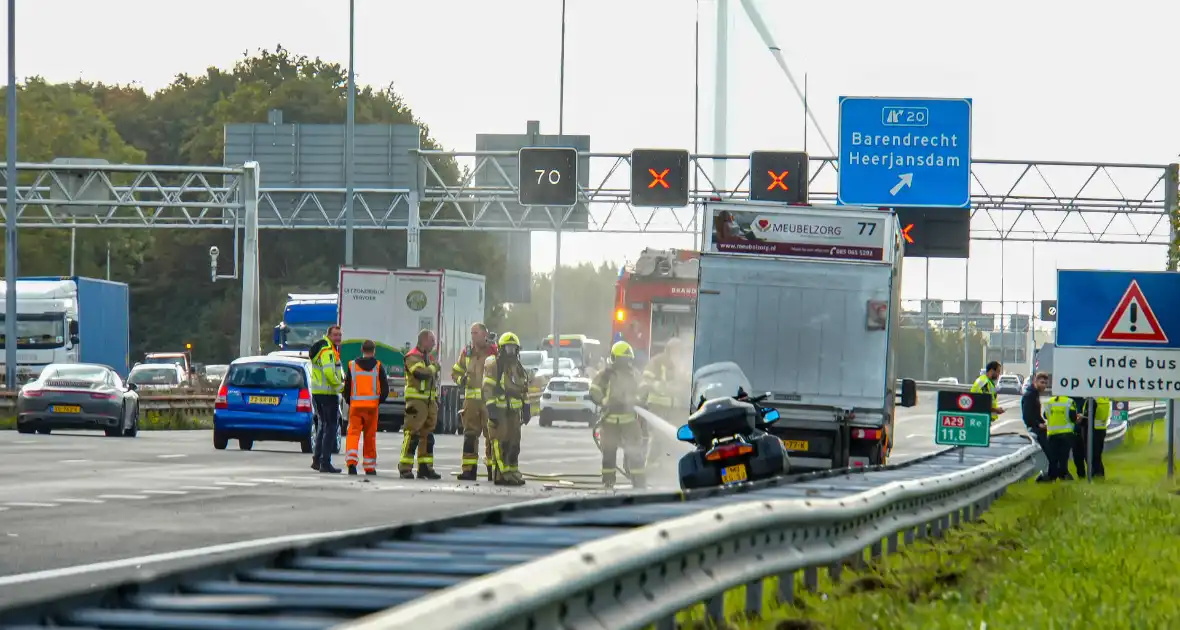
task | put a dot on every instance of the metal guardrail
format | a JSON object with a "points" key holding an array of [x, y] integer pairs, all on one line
{"points": [[593, 544], [166, 402]]}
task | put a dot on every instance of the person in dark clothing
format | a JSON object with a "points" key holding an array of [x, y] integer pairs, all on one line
{"points": [[327, 382], [1079, 435], [1030, 411]]}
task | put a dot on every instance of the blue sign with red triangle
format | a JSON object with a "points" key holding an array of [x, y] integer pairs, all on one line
{"points": [[1120, 309]]}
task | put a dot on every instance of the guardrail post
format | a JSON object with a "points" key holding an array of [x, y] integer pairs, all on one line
{"points": [[893, 542], [715, 608], [754, 598], [875, 550], [786, 588], [835, 570], [811, 579]]}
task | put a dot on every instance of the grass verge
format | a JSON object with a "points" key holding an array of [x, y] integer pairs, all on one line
{"points": [[1065, 555], [151, 421]]}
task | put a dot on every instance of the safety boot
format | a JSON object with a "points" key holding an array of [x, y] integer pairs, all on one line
{"points": [[427, 472], [515, 478], [406, 474], [468, 475], [352, 469]]}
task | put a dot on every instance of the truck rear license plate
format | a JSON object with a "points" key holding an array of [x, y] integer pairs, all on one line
{"points": [[733, 474], [264, 400], [567, 398], [67, 409], [795, 445]]}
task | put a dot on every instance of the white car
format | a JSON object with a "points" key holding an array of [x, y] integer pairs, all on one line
{"points": [[949, 380], [567, 399], [149, 377]]}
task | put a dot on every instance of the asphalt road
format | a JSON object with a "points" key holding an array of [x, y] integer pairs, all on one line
{"points": [[73, 499]]}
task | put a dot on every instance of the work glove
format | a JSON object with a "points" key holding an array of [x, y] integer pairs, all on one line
{"points": [[526, 414]]}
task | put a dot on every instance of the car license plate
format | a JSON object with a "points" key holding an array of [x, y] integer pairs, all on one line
{"points": [[795, 445], [263, 400], [733, 474], [67, 409], [567, 398]]}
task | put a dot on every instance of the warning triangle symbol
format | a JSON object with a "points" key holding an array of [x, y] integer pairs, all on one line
{"points": [[1133, 320]]}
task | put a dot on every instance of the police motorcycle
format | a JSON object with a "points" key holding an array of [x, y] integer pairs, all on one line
{"points": [[731, 443]]}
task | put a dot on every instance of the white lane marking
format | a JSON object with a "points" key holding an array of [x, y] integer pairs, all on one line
{"points": [[172, 456], [122, 496], [29, 504], [169, 492], [202, 488], [2, 508], [913, 435], [75, 461], [53, 574], [90, 501], [268, 480], [237, 484]]}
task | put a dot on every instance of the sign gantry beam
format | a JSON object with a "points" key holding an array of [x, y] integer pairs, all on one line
{"points": [[1010, 199]]}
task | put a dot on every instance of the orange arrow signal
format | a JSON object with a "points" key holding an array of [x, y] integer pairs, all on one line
{"points": [[906, 233]]}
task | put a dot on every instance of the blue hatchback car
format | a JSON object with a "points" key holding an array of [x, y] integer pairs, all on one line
{"points": [[267, 399]]}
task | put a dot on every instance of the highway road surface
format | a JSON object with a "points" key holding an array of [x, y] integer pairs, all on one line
{"points": [[81, 499]]}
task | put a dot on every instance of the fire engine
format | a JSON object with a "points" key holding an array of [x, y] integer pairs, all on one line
{"points": [[655, 300]]}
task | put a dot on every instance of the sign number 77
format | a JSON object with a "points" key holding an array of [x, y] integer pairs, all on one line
{"points": [[867, 225]]}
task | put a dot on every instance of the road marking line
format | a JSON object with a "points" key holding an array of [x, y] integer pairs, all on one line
{"points": [[29, 504], [202, 487], [235, 484], [170, 556], [75, 461], [171, 492], [268, 480], [78, 501], [173, 456], [121, 496], [913, 435]]}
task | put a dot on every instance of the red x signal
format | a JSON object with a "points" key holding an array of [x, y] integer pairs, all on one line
{"points": [[777, 180], [906, 233], [658, 178]]}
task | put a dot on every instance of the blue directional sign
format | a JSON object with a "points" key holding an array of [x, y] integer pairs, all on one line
{"points": [[1118, 309], [905, 152]]}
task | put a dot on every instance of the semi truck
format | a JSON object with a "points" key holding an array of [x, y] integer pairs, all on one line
{"points": [[806, 301], [69, 319], [390, 307], [306, 317]]}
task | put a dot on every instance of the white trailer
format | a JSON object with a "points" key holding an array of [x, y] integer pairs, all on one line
{"points": [[391, 307], [806, 300]]}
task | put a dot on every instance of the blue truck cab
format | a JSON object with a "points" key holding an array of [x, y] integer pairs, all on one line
{"points": [[69, 319], [306, 318]]}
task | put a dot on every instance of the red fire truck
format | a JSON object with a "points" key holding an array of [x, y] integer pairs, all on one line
{"points": [[655, 300]]}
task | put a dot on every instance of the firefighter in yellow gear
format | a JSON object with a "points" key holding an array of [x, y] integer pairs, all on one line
{"points": [[468, 375], [506, 390], [422, 389], [616, 390]]}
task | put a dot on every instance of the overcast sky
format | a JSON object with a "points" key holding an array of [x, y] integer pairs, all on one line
{"points": [[1072, 80]]}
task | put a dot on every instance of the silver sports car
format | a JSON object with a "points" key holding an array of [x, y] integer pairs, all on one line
{"points": [[78, 396]]}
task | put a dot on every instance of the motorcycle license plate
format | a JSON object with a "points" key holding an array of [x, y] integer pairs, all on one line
{"points": [[795, 445], [734, 474]]}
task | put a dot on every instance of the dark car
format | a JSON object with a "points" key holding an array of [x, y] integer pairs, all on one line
{"points": [[78, 396]]}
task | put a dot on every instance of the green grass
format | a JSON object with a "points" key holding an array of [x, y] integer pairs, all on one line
{"points": [[151, 421], [1064, 555]]}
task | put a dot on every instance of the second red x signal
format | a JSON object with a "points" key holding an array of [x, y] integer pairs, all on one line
{"points": [[778, 176], [659, 178]]}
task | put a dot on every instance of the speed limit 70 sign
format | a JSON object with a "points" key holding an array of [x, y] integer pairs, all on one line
{"points": [[548, 176], [1048, 310]]}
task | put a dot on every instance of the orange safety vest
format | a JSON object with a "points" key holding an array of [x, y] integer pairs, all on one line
{"points": [[366, 391]]}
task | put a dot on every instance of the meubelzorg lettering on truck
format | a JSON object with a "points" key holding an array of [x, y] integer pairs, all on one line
{"points": [[806, 300]]}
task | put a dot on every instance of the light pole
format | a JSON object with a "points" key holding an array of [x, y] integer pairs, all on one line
{"points": [[10, 210], [349, 136]]}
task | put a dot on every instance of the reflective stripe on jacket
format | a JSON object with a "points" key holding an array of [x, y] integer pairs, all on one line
{"points": [[1057, 420], [984, 385], [1102, 407], [418, 388], [325, 371], [511, 390], [469, 369], [366, 390]]}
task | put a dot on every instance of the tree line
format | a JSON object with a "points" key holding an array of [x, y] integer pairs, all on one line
{"points": [[173, 300]]}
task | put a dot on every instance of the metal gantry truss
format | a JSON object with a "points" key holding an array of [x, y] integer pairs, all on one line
{"points": [[1012, 200]]}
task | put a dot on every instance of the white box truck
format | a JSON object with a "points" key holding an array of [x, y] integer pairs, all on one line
{"points": [[806, 300], [390, 307]]}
